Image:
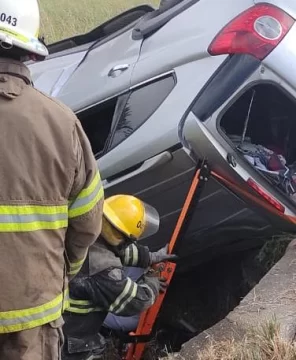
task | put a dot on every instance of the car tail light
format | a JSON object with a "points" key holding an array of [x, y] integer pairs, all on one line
{"points": [[256, 31], [266, 196]]}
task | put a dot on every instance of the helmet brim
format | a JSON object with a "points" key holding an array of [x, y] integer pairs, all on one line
{"points": [[22, 41]]}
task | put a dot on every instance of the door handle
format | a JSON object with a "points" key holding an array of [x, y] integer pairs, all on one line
{"points": [[118, 70], [147, 165]]}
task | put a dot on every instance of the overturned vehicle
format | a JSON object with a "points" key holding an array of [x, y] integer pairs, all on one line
{"points": [[158, 89]]}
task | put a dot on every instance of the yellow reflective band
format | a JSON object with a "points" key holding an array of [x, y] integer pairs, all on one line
{"points": [[15, 34], [80, 302], [127, 255], [75, 267], [32, 209], [82, 306], [127, 291], [73, 272], [18, 320], [77, 263], [83, 311], [133, 294], [92, 186], [20, 218], [135, 255], [87, 199], [66, 300]]}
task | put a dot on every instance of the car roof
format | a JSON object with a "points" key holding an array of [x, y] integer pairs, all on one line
{"points": [[121, 33]]}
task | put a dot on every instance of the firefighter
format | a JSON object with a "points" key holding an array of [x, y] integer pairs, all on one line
{"points": [[51, 196], [102, 285]]}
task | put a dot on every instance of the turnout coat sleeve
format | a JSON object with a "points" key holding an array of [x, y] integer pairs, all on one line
{"points": [[108, 288], [111, 291], [135, 255], [85, 205]]}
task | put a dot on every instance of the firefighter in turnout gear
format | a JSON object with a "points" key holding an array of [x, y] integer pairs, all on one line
{"points": [[51, 196], [102, 285]]}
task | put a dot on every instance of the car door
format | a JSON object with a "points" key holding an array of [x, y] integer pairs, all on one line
{"points": [[104, 72], [144, 160], [83, 78], [137, 152], [147, 159], [199, 133]]}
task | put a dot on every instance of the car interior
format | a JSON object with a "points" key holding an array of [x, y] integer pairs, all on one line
{"points": [[112, 121], [97, 122], [261, 125]]}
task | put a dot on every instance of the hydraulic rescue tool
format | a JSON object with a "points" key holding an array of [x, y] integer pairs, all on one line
{"points": [[139, 338]]}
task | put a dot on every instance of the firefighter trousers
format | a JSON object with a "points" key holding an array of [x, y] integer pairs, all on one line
{"points": [[41, 343]]}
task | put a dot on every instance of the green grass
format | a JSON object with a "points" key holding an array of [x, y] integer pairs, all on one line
{"points": [[63, 18]]}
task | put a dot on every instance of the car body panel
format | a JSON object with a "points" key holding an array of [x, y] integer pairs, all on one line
{"points": [[154, 162], [46, 74], [204, 139], [282, 60], [286, 5], [160, 132], [79, 93], [185, 38]]}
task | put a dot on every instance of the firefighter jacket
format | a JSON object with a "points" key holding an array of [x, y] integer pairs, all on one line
{"points": [[103, 286], [50, 201]]}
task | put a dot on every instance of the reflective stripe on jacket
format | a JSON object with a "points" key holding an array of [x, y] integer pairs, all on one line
{"points": [[108, 289], [135, 255], [51, 200], [82, 307]]}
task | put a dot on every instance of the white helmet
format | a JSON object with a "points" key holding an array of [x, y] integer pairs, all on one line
{"points": [[19, 26]]}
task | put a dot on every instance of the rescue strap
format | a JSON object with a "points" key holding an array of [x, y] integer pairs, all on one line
{"points": [[18, 320]]}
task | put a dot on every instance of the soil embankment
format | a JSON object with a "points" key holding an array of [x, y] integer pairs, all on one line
{"points": [[273, 297]]}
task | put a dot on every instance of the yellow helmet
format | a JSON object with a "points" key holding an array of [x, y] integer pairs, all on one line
{"points": [[131, 216]]}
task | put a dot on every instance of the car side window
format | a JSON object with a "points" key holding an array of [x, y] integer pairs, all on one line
{"points": [[138, 106], [97, 124]]}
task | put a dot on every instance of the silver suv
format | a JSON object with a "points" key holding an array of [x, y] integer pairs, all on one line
{"points": [[158, 89]]}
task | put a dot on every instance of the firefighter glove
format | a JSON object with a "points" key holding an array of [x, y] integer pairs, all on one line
{"points": [[161, 255], [158, 284]]}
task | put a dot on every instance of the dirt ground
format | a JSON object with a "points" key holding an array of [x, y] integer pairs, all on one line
{"points": [[274, 297]]}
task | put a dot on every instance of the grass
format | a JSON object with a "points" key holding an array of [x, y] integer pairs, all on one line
{"points": [[63, 18], [260, 344], [274, 249]]}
